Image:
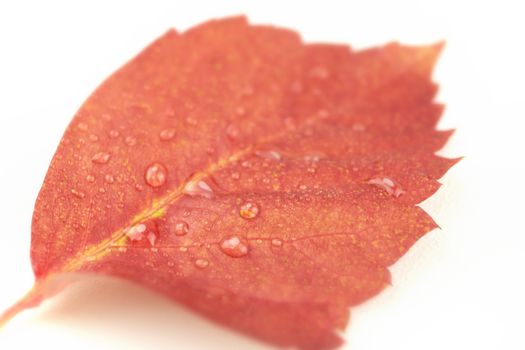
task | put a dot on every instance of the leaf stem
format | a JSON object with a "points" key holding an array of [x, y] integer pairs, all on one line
{"points": [[32, 299]]}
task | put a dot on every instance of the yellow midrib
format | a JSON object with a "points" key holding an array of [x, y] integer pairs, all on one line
{"points": [[99, 250]]}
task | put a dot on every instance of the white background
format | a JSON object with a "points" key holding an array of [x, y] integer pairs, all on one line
{"points": [[458, 287]]}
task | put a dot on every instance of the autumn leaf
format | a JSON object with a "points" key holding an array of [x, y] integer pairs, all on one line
{"points": [[262, 182]]}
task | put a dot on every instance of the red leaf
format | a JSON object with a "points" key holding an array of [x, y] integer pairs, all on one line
{"points": [[262, 182]]}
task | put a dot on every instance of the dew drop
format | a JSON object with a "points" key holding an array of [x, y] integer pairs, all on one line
{"points": [[152, 238], [101, 158], [109, 178], [113, 134], [191, 121], [77, 193], [156, 175], [181, 228], [240, 111], [273, 155], [198, 188], [313, 157], [232, 131], [319, 72], [90, 178], [387, 185], [249, 210], [130, 140], [277, 242], [167, 134], [201, 263], [82, 126], [358, 127], [234, 246], [136, 233], [322, 113]]}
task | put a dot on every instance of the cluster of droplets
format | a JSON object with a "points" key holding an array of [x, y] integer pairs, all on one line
{"points": [[234, 246], [140, 232]]}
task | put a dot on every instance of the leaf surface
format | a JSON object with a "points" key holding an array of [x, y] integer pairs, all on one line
{"points": [[263, 182]]}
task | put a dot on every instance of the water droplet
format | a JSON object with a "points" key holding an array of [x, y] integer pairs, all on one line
{"points": [[136, 233], [90, 178], [93, 138], [113, 134], [249, 210], [387, 185], [156, 175], [109, 178], [198, 188], [236, 175], [322, 113], [130, 140], [319, 72], [358, 127], [181, 228], [152, 238], [232, 131], [277, 242], [314, 157], [191, 121], [273, 155], [78, 193], [240, 111], [101, 158], [201, 263], [82, 126], [234, 246], [167, 134]]}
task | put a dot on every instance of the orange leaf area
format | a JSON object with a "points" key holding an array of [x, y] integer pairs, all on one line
{"points": [[262, 182]]}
